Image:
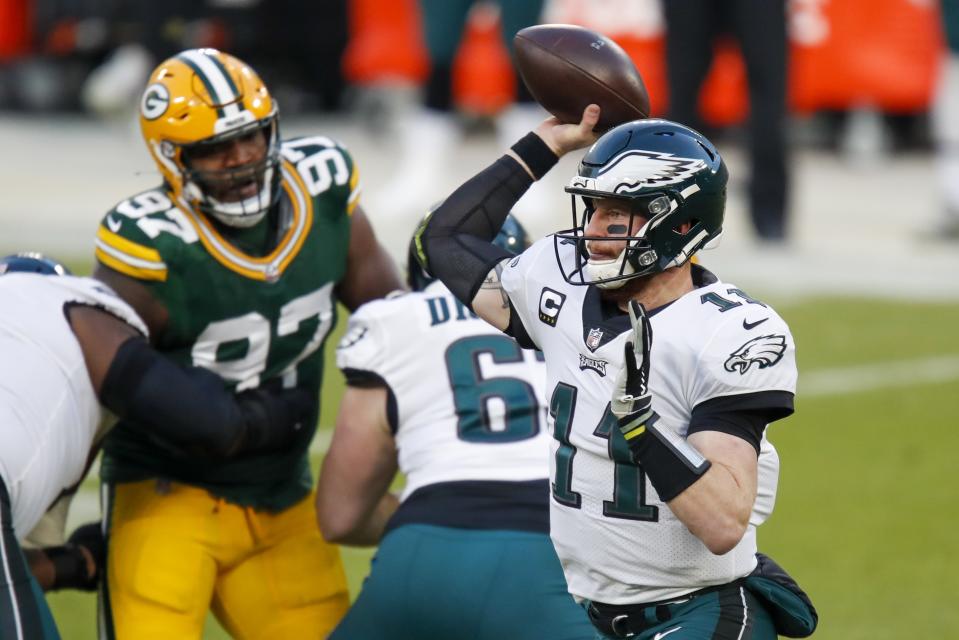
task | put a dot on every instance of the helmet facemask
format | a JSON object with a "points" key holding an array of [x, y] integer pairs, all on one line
{"points": [[215, 192], [652, 219], [672, 182]]}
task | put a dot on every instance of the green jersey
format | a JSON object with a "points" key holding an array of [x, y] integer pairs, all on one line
{"points": [[251, 319]]}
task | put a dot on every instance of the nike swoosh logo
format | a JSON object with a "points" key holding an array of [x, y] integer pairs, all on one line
{"points": [[113, 224], [663, 634], [752, 325]]}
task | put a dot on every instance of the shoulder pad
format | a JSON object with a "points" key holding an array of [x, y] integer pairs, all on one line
{"points": [[124, 240], [361, 347], [325, 167], [752, 349]]}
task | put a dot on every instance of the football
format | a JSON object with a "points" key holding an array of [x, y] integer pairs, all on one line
{"points": [[567, 67]]}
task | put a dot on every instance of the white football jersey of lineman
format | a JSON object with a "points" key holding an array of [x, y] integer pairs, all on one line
{"points": [[437, 357], [618, 542], [49, 413]]}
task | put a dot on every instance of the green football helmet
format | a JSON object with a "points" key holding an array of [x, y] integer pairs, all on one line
{"points": [[669, 175], [512, 237], [32, 262]]}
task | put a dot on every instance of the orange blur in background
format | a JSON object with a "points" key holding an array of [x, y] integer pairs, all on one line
{"points": [[878, 53]]}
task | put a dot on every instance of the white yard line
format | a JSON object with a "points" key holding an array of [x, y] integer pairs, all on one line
{"points": [[902, 373], [824, 382]]}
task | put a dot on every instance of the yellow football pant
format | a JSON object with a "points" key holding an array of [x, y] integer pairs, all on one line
{"points": [[175, 551]]}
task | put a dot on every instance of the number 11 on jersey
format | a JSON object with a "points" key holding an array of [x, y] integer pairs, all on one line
{"points": [[629, 483]]}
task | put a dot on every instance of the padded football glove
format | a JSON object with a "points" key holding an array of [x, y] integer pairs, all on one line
{"points": [[274, 418], [632, 404], [70, 563], [671, 464]]}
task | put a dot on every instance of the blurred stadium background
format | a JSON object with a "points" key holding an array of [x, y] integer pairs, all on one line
{"points": [[867, 278]]}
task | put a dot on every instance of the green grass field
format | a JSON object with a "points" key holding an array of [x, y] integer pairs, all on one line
{"points": [[867, 506]]}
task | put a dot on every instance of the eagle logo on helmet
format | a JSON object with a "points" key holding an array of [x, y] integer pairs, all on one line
{"points": [[764, 351], [637, 170], [674, 183]]}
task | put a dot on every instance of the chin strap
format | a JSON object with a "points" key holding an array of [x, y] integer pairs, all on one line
{"points": [[601, 270]]}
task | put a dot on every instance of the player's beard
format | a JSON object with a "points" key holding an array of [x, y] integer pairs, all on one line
{"points": [[630, 289], [236, 184]]}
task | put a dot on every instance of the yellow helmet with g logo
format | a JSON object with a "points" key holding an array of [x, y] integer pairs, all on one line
{"points": [[198, 102]]}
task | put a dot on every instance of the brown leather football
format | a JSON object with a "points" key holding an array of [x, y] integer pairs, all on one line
{"points": [[567, 67]]}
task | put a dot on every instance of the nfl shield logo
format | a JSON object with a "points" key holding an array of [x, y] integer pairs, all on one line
{"points": [[594, 338]]}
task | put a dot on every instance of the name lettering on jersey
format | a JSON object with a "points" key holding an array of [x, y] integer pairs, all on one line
{"points": [[440, 310], [594, 339], [764, 351], [592, 364], [550, 304]]}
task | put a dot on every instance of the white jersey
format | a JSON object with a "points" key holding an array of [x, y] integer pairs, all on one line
{"points": [[468, 400], [49, 413], [618, 542]]}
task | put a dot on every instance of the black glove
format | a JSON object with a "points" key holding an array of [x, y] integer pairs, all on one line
{"points": [[70, 563], [274, 418], [632, 404], [671, 464]]}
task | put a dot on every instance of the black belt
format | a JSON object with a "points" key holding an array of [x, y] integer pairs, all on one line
{"points": [[626, 620]]}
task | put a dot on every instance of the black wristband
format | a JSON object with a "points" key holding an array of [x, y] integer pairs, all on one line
{"points": [[536, 154], [670, 466], [70, 568]]}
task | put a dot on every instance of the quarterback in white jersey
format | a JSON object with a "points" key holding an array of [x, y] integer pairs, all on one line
{"points": [[460, 409], [662, 378], [713, 347]]}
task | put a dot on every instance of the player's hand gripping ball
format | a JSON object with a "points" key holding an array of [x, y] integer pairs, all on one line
{"points": [[566, 68]]}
